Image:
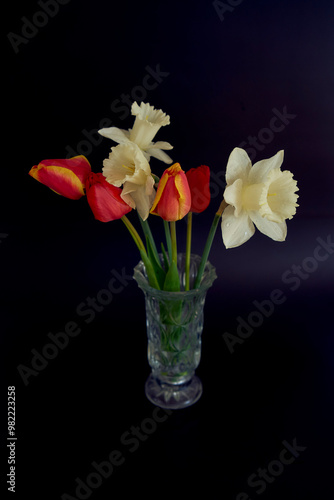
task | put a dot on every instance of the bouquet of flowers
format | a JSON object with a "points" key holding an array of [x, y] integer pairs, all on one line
{"points": [[261, 196], [174, 285]]}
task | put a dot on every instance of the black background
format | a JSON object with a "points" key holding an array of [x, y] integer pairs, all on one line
{"points": [[223, 78]]}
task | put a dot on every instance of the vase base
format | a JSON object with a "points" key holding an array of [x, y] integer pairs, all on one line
{"points": [[173, 396]]}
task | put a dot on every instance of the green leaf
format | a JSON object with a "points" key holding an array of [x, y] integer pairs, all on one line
{"points": [[165, 256], [172, 281], [168, 239], [148, 234], [159, 272], [152, 279]]}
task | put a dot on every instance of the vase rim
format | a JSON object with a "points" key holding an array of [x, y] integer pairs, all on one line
{"points": [[208, 278]]}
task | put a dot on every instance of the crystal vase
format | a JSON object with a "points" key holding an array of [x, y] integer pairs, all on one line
{"points": [[174, 323]]}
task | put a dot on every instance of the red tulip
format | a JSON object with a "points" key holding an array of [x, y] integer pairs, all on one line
{"points": [[66, 177], [173, 198], [199, 180], [104, 199]]}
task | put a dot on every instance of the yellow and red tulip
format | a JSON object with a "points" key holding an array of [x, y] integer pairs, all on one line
{"points": [[105, 199], [66, 177], [199, 180], [173, 198]]}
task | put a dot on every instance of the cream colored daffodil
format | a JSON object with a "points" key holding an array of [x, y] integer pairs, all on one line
{"points": [[261, 194], [147, 123], [128, 167]]}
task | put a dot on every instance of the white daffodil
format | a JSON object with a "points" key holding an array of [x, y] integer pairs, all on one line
{"points": [[147, 123], [128, 167], [261, 194]]}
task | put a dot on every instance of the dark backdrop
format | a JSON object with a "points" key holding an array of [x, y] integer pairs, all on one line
{"points": [[223, 71]]}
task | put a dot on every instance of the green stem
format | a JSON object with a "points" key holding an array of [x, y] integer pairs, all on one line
{"points": [[147, 231], [174, 243], [132, 230], [208, 243], [168, 240], [165, 257], [141, 247], [188, 248]]}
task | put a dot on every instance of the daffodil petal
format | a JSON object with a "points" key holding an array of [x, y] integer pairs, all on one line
{"points": [[233, 195], [275, 230], [161, 145], [261, 169], [128, 199], [236, 230], [159, 154], [116, 134], [139, 197], [238, 166]]}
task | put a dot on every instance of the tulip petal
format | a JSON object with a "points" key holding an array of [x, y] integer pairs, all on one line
{"points": [[66, 177], [199, 184], [168, 207], [161, 187], [173, 198], [104, 199], [61, 180], [238, 166], [236, 230], [261, 169], [182, 186], [275, 230]]}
